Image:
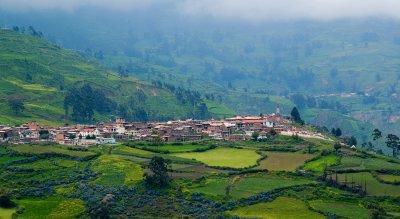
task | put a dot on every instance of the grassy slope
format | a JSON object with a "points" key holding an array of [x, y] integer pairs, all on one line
{"points": [[47, 63]]}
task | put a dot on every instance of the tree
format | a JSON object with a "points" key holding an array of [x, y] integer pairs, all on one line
{"points": [[333, 131], [272, 132], [338, 132], [159, 172], [337, 146], [392, 141], [16, 105], [44, 134], [296, 116], [255, 136], [376, 134], [5, 200], [351, 140]]}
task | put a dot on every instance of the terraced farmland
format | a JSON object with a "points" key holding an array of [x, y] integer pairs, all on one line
{"points": [[225, 157]]}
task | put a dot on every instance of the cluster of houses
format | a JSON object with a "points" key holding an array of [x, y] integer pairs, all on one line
{"points": [[236, 128]]}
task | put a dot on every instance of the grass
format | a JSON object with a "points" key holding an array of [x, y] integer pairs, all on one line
{"points": [[253, 184], [319, 164], [224, 157], [46, 149], [282, 207], [50, 163], [5, 159], [389, 178], [340, 208], [175, 148], [374, 187], [357, 163], [115, 171], [213, 186], [124, 150], [51, 207], [6, 213], [283, 161]]}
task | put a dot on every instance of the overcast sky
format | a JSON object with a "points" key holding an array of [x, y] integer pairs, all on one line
{"points": [[252, 10]]}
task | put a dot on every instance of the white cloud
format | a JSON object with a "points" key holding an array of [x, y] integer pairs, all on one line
{"points": [[70, 5], [253, 10]]}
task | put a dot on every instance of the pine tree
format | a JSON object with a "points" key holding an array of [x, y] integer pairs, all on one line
{"points": [[296, 116]]}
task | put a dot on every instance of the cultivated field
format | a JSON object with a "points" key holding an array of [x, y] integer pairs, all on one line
{"points": [[319, 164], [253, 184], [283, 161], [52, 207], [47, 149], [225, 157], [341, 208], [115, 171], [282, 207], [357, 163], [374, 187], [389, 178]]}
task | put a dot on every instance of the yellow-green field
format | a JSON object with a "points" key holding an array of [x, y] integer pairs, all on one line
{"points": [[116, 171], [389, 178], [41, 149], [280, 208], [52, 207], [319, 164], [340, 208], [6, 213], [225, 157]]}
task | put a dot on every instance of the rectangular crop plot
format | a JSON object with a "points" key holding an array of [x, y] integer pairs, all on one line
{"points": [[253, 184], [48, 149], [340, 208], [282, 207], [224, 157], [283, 161]]}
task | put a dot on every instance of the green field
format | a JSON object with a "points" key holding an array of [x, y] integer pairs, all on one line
{"points": [[175, 148], [374, 187], [116, 171], [282, 161], [281, 207], [225, 157], [319, 164], [213, 186], [46, 149], [389, 178], [52, 207], [6, 213], [51, 164], [255, 183], [5, 159], [357, 163], [343, 209], [124, 150]]}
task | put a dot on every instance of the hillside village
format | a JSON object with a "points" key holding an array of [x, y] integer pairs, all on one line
{"points": [[236, 129]]}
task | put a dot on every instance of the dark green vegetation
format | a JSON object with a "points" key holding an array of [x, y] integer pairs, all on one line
{"points": [[41, 81], [141, 179]]}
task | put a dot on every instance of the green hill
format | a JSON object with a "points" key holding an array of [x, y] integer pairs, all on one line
{"points": [[40, 74]]}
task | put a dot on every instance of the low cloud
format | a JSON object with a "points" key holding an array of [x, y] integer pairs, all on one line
{"points": [[256, 10], [71, 5], [252, 10]]}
